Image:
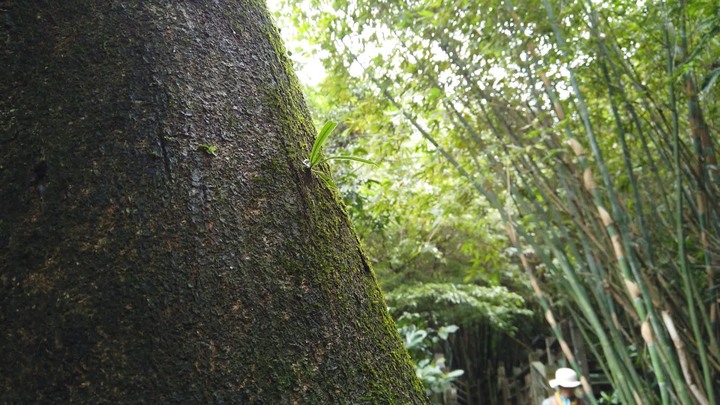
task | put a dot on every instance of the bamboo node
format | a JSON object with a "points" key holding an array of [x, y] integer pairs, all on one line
{"points": [[588, 180], [510, 230], [638, 400], [566, 350], [550, 318], [700, 201], [670, 326], [605, 216], [576, 147], [536, 286], [632, 288], [646, 332], [585, 384], [617, 246]]}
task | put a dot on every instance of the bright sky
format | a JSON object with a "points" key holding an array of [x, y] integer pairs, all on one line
{"points": [[308, 68]]}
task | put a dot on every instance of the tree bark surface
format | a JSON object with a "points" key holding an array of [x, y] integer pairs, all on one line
{"points": [[160, 239]]}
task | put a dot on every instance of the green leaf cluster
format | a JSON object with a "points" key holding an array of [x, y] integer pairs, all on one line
{"points": [[463, 304], [423, 342]]}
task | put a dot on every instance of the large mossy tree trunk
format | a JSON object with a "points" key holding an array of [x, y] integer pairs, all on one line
{"points": [[160, 239]]}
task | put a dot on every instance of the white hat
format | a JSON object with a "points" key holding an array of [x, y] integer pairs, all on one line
{"points": [[566, 378]]}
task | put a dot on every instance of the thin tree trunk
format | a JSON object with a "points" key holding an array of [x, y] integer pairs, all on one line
{"points": [[160, 238]]}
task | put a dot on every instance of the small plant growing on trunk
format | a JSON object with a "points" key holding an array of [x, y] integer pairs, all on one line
{"points": [[316, 158]]}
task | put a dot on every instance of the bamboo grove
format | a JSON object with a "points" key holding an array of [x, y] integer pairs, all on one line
{"points": [[590, 128]]}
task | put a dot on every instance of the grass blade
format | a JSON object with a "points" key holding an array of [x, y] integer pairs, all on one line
{"points": [[353, 158], [321, 138]]}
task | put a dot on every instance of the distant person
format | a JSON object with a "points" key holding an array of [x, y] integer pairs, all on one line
{"points": [[565, 383]]}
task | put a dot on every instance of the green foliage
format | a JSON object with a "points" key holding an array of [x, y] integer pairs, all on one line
{"points": [[422, 342], [609, 399], [570, 140], [710, 79], [433, 377], [461, 303], [209, 149]]}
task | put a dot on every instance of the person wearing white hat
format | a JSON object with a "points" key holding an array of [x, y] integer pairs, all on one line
{"points": [[565, 382]]}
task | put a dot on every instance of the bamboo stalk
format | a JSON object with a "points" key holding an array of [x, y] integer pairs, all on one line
{"points": [[589, 183], [584, 208], [680, 347], [549, 316], [706, 169], [627, 265], [576, 284], [682, 257], [646, 328]]}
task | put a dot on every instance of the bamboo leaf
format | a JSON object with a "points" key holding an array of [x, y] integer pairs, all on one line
{"points": [[710, 80]]}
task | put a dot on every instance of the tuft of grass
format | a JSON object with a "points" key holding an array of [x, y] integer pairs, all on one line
{"points": [[316, 157]]}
